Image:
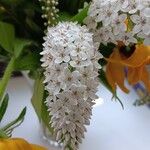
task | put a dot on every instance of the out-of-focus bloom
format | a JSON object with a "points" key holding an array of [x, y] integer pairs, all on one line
{"points": [[135, 65], [18, 144], [112, 15], [71, 67]]}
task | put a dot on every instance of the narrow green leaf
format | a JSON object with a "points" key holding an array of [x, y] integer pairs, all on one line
{"points": [[81, 15], [6, 77], [3, 107], [3, 135], [38, 102], [37, 97], [7, 36], [19, 45], [46, 118], [15, 123]]}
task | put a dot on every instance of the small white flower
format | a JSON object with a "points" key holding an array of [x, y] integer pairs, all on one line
{"points": [[104, 35], [127, 38], [145, 37], [77, 62], [95, 58], [90, 89], [133, 6], [141, 23], [47, 59], [91, 23], [123, 4], [68, 78], [118, 24]]}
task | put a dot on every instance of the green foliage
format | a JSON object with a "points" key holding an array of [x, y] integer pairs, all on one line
{"points": [[29, 61], [6, 131], [15, 123], [38, 102], [19, 45], [81, 15], [3, 106], [38, 95], [7, 36], [71, 7]]}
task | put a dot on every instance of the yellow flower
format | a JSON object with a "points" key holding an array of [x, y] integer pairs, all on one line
{"points": [[18, 144], [135, 64]]}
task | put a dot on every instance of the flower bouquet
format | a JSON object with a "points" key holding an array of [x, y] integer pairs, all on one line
{"points": [[69, 48]]}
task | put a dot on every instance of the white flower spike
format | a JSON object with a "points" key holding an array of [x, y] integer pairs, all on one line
{"points": [[114, 19], [71, 67]]}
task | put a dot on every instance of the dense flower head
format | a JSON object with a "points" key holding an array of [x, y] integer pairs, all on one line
{"points": [[71, 67], [120, 20]]}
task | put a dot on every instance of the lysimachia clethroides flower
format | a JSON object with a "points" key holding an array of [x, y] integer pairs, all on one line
{"points": [[71, 67], [120, 20]]}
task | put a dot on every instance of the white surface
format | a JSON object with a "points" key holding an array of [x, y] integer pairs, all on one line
{"points": [[111, 127]]}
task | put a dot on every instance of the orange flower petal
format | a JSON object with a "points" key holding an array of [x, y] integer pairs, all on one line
{"points": [[115, 74], [145, 78], [136, 68], [134, 75]]}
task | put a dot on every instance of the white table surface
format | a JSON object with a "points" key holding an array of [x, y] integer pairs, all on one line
{"points": [[111, 127]]}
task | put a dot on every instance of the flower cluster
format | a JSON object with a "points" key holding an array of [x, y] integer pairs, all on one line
{"points": [[50, 11], [120, 20], [71, 67]]}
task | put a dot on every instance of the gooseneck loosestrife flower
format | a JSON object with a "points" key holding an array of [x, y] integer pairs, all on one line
{"points": [[120, 20], [71, 67]]}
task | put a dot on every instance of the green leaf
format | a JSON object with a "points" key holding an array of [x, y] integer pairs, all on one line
{"points": [[15, 123], [38, 102], [3, 134], [46, 118], [7, 74], [19, 45], [81, 15], [3, 107], [37, 97], [7, 36], [28, 62], [64, 16]]}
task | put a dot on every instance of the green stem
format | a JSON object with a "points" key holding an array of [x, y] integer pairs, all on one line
{"points": [[3, 135], [6, 77]]}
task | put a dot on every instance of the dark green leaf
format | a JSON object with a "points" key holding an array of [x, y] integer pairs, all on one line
{"points": [[3, 107], [106, 50], [64, 16], [19, 45], [28, 62], [7, 36], [81, 15]]}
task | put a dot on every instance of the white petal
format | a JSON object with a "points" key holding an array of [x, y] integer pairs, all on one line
{"points": [[137, 29], [146, 29], [147, 41], [66, 59], [135, 19], [58, 60]]}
